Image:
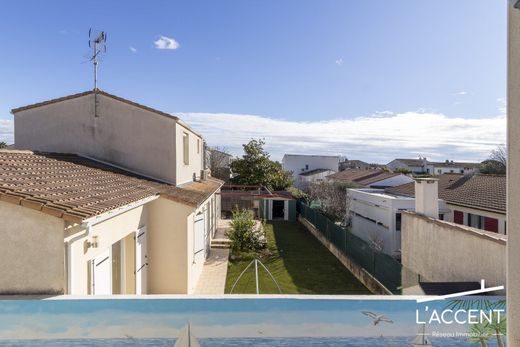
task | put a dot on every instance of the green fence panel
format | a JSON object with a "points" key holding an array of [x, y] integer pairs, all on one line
{"points": [[388, 272], [359, 251], [383, 267]]}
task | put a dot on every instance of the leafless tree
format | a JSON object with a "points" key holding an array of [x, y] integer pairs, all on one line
{"points": [[333, 199], [500, 155], [497, 162]]}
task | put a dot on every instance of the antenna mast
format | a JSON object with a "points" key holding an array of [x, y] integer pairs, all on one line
{"points": [[97, 41]]}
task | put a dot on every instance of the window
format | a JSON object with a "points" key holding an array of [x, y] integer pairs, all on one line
{"points": [[306, 166], [475, 221], [186, 148], [397, 222]]}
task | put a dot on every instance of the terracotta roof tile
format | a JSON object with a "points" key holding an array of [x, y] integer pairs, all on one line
{"points": [[361, 176], [75, 188], [486, 192]]}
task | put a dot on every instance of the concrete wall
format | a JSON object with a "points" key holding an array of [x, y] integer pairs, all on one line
{"points": [[298, 164], [32, 251], [513, 174], [446, 252], [122, 134]]}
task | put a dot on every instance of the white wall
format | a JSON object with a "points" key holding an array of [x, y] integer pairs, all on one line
{"points": [[301, 163], [373, 216], [439, 170], [107, 233], [500, 216]]}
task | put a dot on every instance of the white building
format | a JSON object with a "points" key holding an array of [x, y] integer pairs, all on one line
{"points": [[300, 163], [423, 166], [313, 176], [449, 166], [376, 217]]}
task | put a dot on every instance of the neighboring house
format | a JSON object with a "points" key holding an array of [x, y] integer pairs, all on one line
{"points": [[449, 166], [357, 164], [422, 166], [131, 210], [376, 217], [298, 164], [220, 164], [476, 200], [416, 166], [313, 176], [370, 178]]}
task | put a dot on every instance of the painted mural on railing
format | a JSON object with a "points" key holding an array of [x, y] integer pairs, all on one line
{"points": [[317, 322]]}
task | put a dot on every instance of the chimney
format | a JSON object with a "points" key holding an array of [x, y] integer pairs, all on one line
{"points": [[426, 197]]}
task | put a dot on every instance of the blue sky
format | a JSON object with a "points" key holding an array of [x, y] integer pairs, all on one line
{"points": [[289, 70]]}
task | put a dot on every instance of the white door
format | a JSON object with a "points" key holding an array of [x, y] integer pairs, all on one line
{"points": [[102, 279], [141, 261]]}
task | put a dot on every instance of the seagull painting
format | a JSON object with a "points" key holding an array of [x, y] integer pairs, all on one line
{"points": [[377, 318]]}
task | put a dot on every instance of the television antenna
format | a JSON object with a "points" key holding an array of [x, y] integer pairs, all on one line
{"points": [[97, 41]]}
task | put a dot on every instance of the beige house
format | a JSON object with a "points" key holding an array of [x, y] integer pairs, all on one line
{"points": [[129, 211]]}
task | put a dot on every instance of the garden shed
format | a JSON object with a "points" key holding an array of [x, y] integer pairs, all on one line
{"points": [[265, 204], [279, 206]]}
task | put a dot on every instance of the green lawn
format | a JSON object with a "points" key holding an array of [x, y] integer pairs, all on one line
{"points": [[300, 264]]}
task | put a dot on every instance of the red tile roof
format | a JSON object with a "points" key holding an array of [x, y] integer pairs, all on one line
{"points": [[75, 188], [486, 192]]}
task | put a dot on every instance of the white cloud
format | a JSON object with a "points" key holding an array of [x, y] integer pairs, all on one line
{"points": [[461, 93], [6, 131], [502, 105], [339, 61], [133, 49], [164, 42], [379, 138]]}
